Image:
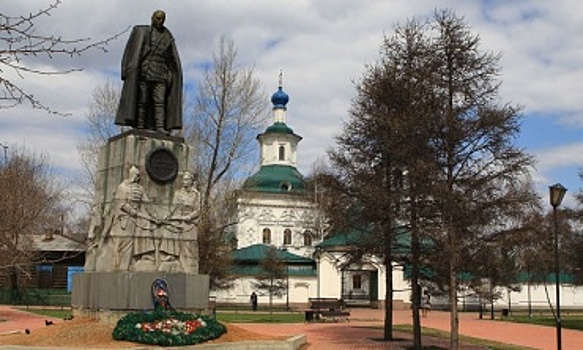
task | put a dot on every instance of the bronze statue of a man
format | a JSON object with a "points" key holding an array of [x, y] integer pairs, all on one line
{"points": [[151, 96]]}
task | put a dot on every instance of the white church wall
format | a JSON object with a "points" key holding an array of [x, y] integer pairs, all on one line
{"points": [[540, 294], [276, 213], [401, 287], [330, 277], [301, 289], [270, 154]]}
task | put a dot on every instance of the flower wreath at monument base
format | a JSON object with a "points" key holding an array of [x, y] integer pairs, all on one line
{"points": [[167, 328]]}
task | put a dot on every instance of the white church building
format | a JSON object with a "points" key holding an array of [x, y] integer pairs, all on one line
{"points": [[277, 209]]}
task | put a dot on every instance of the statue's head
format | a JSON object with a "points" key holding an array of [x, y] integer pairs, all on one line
{"points": [[134, 174], [188, 179], [158, 19]]}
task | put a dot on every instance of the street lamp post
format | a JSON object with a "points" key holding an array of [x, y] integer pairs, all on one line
{"points": [[557, 192]]}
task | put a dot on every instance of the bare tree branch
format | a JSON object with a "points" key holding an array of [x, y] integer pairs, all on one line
{"points": [[19, 42]]}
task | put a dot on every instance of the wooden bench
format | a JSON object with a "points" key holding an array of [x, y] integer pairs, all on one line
{"points": [[324, 309]]}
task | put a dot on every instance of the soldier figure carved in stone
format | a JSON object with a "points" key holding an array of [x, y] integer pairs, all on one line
{"points": [[127, 238], [184, 221], [152, 92]]}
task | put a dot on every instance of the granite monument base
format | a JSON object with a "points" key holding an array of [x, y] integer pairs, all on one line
{"points": [[132, 291]]}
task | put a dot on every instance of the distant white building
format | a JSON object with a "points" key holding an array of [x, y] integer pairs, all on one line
{"points": [[276, 208]]}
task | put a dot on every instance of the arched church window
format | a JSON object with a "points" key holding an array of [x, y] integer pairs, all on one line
{"points": [[266, 236], [308, 238], [281, 152], [287, 237]]}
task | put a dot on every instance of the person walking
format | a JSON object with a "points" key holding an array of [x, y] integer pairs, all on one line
{"points": [[425, 303], [253, 299]]}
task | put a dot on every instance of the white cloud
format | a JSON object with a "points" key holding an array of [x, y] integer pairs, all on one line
{"points": [[322, 46]]}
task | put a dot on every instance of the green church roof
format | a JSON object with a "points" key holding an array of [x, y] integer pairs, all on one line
{"points": [[402, 240], [247, 261], [254, 270], [257, 252], [276, 179], [279, 128]]}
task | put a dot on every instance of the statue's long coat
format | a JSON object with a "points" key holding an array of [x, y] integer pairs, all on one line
{"points": [[127, 111]]}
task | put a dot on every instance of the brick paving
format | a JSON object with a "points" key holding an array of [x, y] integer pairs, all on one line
{"points": [[17, 321], [352, 335], [355, 335]]}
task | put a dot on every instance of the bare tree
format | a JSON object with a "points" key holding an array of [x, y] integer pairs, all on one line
{"points": [[29, 205], [229, 110], [100, 128], [21, 43], [271, 278]]}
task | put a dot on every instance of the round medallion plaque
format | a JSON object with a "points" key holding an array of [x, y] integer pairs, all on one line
{"points": [[162, 165]]}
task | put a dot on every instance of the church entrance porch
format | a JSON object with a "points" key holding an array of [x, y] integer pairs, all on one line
{"points": [[360, 286]]}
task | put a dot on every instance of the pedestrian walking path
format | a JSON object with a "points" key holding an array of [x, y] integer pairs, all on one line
{"points": [[15, 320]]}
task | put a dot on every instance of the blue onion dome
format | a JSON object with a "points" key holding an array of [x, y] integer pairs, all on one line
{"points": [[279, 98]]}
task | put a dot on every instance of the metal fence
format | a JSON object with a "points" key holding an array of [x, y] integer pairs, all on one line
{"points": [[36, 297]]}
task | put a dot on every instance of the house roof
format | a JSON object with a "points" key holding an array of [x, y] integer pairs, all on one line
{"points": [[56, 243]]}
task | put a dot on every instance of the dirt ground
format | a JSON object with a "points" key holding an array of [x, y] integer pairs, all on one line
{"points": [[83, 333]]}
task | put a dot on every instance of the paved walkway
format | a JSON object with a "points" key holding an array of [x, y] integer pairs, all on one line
{"points": [[17, 320], [352, 335]]}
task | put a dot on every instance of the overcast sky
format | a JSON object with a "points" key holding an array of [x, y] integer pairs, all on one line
{"points": [[322, 47]]}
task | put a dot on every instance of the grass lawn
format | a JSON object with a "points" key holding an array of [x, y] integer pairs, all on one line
{"points": [[260, 317], [570, 321], [56, 313]]}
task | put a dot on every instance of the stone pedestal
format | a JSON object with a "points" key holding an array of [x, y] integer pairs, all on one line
{"points": [[122, 291], [143, 228]]}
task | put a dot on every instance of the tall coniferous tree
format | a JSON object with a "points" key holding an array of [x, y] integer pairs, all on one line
{"points": [[481, 173], [429, 145], [376, 149]]}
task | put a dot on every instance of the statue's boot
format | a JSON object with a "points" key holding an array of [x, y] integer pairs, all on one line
{"points": [[159, 113], [141, 122]]}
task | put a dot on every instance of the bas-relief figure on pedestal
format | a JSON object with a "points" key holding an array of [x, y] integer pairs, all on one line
{"points": [[152, 91], [181, 239], [93, 235], [127, 239], [132, 239]]}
